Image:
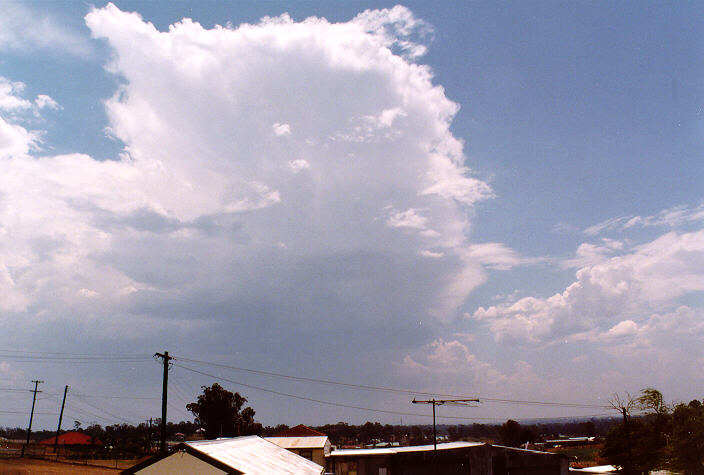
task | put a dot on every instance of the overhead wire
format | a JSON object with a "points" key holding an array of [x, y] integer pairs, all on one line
{"points": [[388, 389], [329, 403], [57, 357]]}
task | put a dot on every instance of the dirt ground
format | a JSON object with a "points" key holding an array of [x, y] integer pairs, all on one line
{"points": [[25, 466]]}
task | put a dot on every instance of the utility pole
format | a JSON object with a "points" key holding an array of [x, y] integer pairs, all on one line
{"points": [[164, 391], [31, 416], [440, 402], [61, 416]]}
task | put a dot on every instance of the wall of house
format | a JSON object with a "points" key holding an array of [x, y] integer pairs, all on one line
{"points": [[481, 460], [182, 463]]}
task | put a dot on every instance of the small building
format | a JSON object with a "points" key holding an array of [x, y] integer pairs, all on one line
{"points": [[304, 441], [73, 439], [599, 469], [475, 458], [249, 455]]}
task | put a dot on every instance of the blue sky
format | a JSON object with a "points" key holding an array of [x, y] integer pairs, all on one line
{"points": [[497, 200]]}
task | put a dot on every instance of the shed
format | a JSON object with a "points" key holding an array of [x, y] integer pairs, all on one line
{"points": [[249, 455], [314, 448]]}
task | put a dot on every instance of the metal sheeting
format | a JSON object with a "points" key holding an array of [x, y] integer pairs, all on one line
{"points": [[316, 442], [255, 456], [393, 450]]}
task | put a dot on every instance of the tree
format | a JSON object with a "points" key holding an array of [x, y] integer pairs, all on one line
{"points": [[688, 437], [219, 412], [639, 444], [513, 435]]}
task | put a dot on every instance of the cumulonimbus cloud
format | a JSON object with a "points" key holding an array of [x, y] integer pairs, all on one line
{"points": [[260, 163]]}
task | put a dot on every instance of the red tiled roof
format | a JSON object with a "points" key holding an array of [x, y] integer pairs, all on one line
{"points": [[299, 431], [73, 438]]}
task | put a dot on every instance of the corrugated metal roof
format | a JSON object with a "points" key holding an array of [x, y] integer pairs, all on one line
{"points": [[597, 469], [413, 448], [299, 431], [299, 442], [255, 456], [443, 446]]}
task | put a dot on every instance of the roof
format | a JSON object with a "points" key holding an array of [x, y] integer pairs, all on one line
{"points": [[299, 431], [597, 469], [254, 455], [413, 448], [314, 442], [73, 438], [520, 449]]}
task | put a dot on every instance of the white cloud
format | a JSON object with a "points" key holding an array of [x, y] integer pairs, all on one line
{"points": [[15, 140], [589, 254], [396, 27], [451, 357], [24, 27], [452, 365], [45, 102], [298, 165], [189, 222], [281, 129], [495, 255], [614, 294], [623, 329], [10, 95], [674, 217], [407, 219]]}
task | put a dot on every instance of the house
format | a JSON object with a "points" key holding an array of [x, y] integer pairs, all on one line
{"points": [[449, 458], [304, 441], [73, 438], [249, 455]]}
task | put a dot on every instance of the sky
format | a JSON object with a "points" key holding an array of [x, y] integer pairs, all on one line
{"points": [[308, 202]]}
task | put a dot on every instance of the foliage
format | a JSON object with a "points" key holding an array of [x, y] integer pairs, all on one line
{"points": [[688, 437], [663, 437], [220, 413], [636, 446], [514, 435]]}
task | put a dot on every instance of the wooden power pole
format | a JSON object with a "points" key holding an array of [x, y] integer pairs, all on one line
{"points": [[61, 416], [440, 402], [31, 416], [164, 391]]}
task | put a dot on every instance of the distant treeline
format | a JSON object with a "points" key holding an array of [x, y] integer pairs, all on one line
{"points": [[140, 439], [341, 433]]}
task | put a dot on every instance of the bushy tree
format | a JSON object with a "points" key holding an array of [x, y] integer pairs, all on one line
{"points": [[688, 437], [513, 435], [220, 413], [640, 444], [636, 446]]}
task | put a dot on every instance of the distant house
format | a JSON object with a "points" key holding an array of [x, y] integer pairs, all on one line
{"points": [[249, 455], [600, 469], [449, 458], [570, 442], [304, 441], [73, 438]]}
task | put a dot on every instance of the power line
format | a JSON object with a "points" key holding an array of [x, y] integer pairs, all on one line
{"points": [[90, 396], [102, 409], [97, 396], [392, 390], [329, 403], [25, 413], [105, 355]]}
